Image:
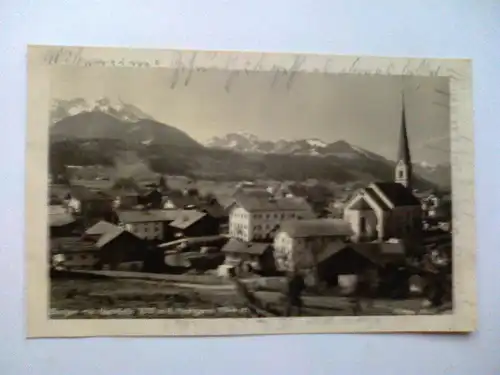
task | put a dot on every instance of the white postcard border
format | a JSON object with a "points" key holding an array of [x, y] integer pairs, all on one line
{"points": [[42, 58]]}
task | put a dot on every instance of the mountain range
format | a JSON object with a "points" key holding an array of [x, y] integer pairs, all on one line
{"points": [[116, 108], [248, 143], [121, 136]]}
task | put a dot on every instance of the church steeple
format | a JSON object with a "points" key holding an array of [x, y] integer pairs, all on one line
{"points": [[404, 169]]}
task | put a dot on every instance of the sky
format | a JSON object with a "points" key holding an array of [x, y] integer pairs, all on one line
{"points": [[362, 110]]}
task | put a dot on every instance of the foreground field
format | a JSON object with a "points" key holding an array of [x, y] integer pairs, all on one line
{"points": [[141, 298]]}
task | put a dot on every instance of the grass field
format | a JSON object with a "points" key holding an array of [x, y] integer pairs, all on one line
{"points": [[136, 298]]}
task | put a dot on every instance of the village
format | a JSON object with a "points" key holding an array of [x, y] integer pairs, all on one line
{"points": [[386, 243]]}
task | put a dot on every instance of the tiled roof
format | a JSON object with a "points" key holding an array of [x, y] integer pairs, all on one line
{"points": [[81, 192], [331, 249], [100, 228], [187, 218], [56, 209], [338, 247], [60, 219], [392, 248], [237, 246], [145, 216], [258, 203], [381, 253], [110, 236], [397, 194], [316, 228], [213, 209], [71, 244]]}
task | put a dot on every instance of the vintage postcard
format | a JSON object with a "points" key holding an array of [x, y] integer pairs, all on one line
{"points": [[186, 193]]}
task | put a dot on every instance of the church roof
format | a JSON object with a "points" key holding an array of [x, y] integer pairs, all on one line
{"points": [[261, 203], [397, 194], [375, 196]]}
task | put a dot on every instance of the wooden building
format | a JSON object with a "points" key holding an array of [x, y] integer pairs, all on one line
{"points": [[63, 225], [254, 257], [193, 223]]}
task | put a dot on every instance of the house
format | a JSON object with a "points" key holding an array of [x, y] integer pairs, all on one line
{"points": [[98, 229], [125, 198], [57, 209], [215, 210], [193, 223], [440, 208], [392, 273], [244, 256], [317, 195], [73, 253], [255, 217], [111, 250], [89, 204], [179, 200], [62, 224], [153, 199], [347, 267], [384, 210], [118, 246], [148, 224], [298, 244]]}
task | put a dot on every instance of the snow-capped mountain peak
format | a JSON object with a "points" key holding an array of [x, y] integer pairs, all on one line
{"points": [[316, 142], [246, 142], [116, 108]]}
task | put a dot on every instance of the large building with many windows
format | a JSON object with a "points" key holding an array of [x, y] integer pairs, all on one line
{"points": [[256, 218]]}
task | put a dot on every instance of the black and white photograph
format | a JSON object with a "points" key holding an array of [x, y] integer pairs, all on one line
{"points": [[187, 192]]}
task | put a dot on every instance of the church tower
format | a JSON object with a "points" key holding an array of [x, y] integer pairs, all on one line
{"points": [[403, 171]]}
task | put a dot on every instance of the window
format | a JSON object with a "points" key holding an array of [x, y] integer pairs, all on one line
{"points": [[362, 224], [401, 174]]}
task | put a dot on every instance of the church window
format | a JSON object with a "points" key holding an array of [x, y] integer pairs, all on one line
{"points": [[362, 224]]}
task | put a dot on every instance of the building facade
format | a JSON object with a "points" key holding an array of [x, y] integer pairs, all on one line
{"points": [[301, 244], [256, 218], [150, 225]]}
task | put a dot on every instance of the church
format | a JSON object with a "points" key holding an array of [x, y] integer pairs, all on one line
{"points": [[384, 210]]}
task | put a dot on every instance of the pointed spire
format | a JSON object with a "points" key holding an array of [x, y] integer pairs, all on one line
{"points": [[404, 147]]}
